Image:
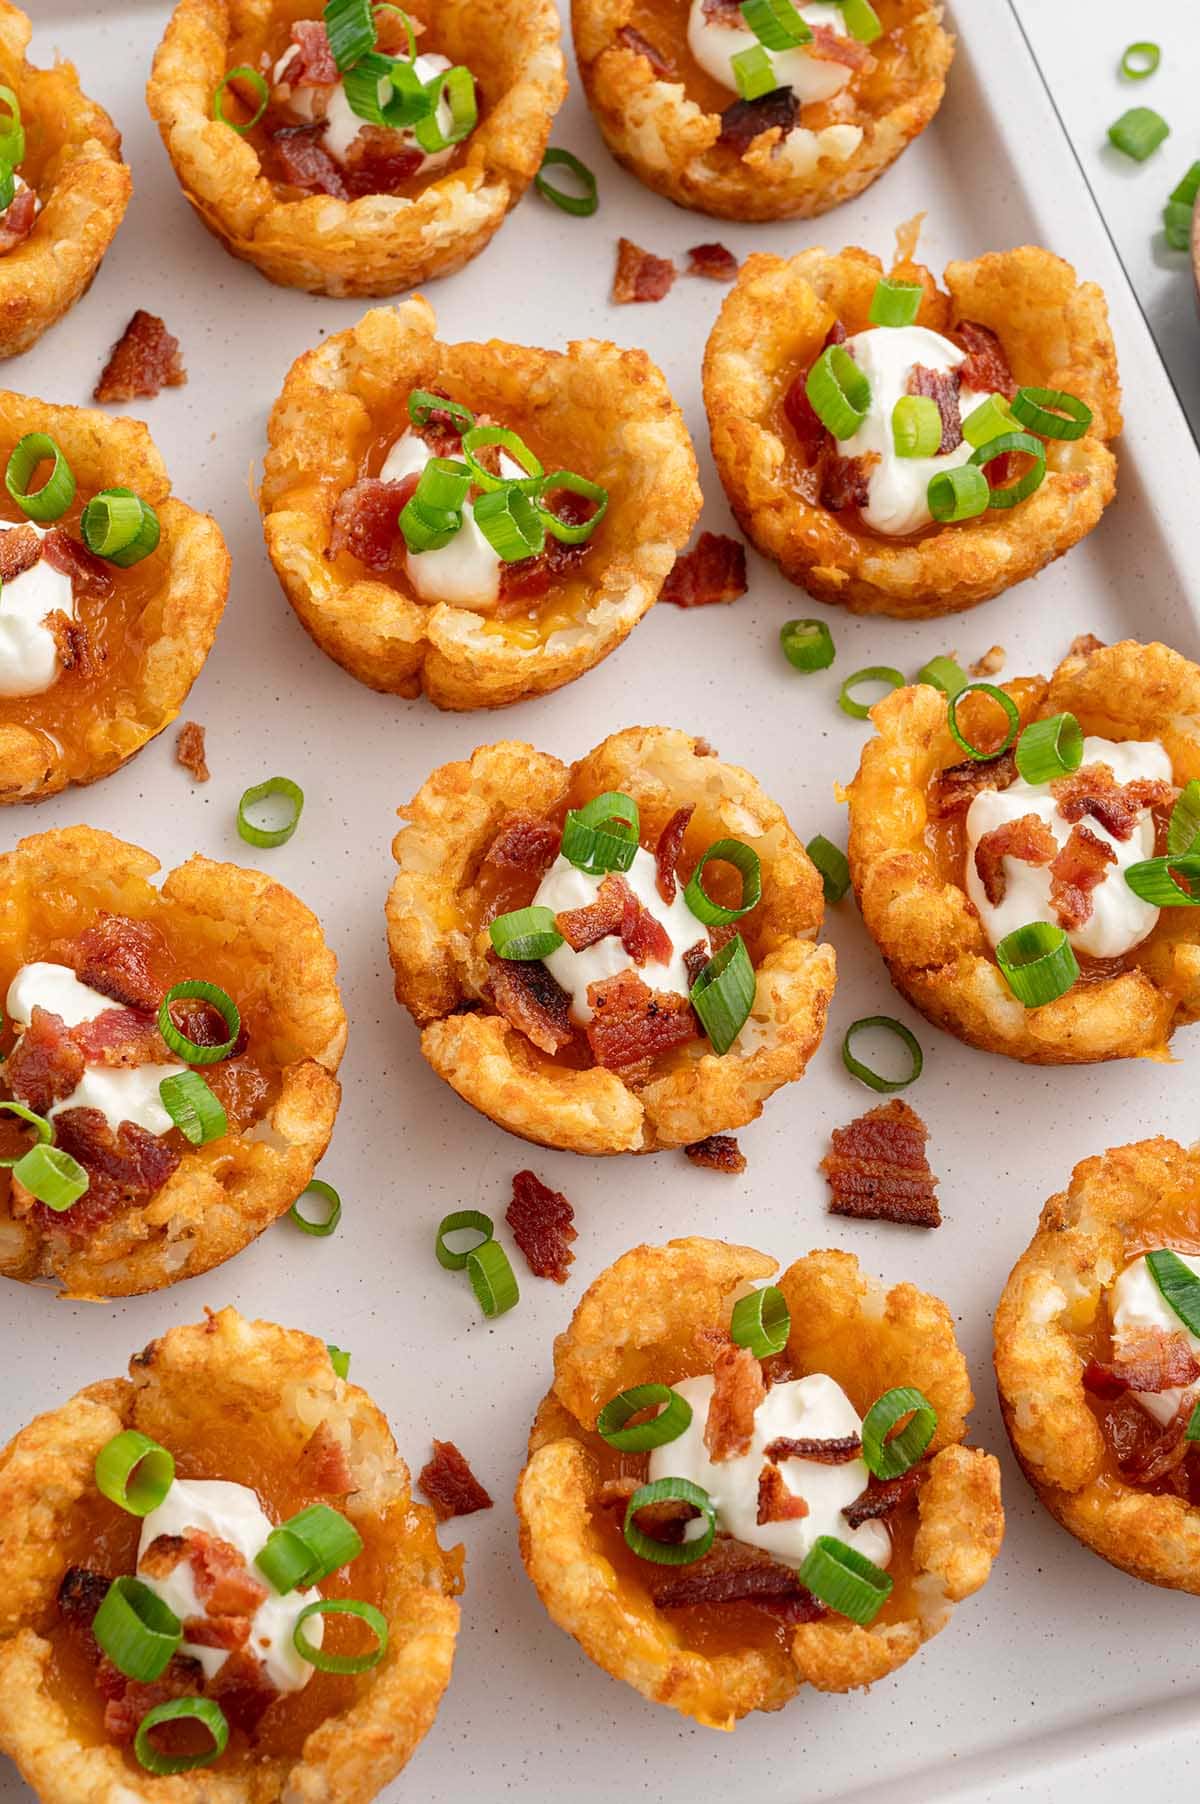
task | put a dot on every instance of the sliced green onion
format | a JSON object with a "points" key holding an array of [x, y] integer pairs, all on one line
{"points": [[603, 834], [324, 1193], [57, 492], [753, 72], [668, 1425], [670, 1553], [1002, 700], [375, 1620], [386, 6], [807, 644], [134, 1472], [862, 21], [1192, 1431], [137, 1630], [761, 1321], [833, 865], [492, 1278], [1155, 881], [385, 91], [525, 934], [52, 1176], [1037, 963], [422, 403], [12, 132], [1178, 218], [1052, 412], [988, 421], [291, 793], [443, 484], [958, 494], [883, 1086], [339, 1359], [1179, 1285], [838, 391], [943, 674], [896, 304], [874, 673], [306, 1548], [845, 1579], [723, 994], [195, 989], [1186, 190], [196, 1112], [511, 523], [581, 205], [1138, 132], [477, 438], [916, 426], [175, 1710], [746, 863], [119, 526], [43, 1128], [461, 1221], [454, 88], [571, 532], [1050, 748], [1183, 834], [889, 1458], [350, 28], [8, 187], [1140, 60], [776, 23], [426, 528], [253, 79]]}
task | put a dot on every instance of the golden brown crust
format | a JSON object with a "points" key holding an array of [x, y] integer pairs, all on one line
{"points": [[83, 186], [185, 1386], [642, 1310], [222, 1195], [773, 323], [440, 962], [670, 143], [928, 931], [381, 243]]}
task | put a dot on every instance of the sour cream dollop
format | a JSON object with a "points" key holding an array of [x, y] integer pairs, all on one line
{"points": [[714, 44], [1119, 920], [29, 661], [343, 124], [1137, 1306], [464, 573]]}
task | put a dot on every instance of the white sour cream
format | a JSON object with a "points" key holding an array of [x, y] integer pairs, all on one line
{"points": [[714, 45], [813, 1408], [29, 663], [231, 1512], [342, 123], [466, 572], [1119, 920], [1136, 1305]]}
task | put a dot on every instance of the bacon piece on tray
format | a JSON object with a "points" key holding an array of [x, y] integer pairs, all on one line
{"points": [[1027, 839], [632, 1023], [450, 1485], [630, 39], [746, 120], [668, 850], [524, 843], [715, 570], [985, 371], [366, 521], [878, 1171], [777, 1502], [940, 387], [1095, 791], [529, 997], [714, 260], [543, 1226], [45, 1065], [189, 750], [116, 956], [883, 1497], [838, 1452], [738, 1389], [1080, 867], [144, 360], [640, 275], [20, 550], [731, 1573], [719, 1152], [1150, 1362]]}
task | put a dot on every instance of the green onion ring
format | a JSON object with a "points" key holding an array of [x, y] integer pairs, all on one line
{"points": [[896, 304], [668, 1553], [384, 90], [388, 6], [1178, 219], [761, 1321], [884, 1086], [43, 1128], [478, 438], [258, 82], [1009, 493], [525, 934], [1183, 834], [456, 87], [422, 402], [961, 493], [874, 673], [56, 494], [52, 1176], [196, 1112], [1155, 880], [1004, 701], [1140, 60], [581, 205], [200, 1710], [195, 989], [510, 522], [1038, 963], [668, 1425], [916, 427], [1192, 1431], [1138, 132], [724, 993], [862, 21], [350, 28], [120, 527], [746, 863], [832, 864], [1179, 1285], [134, 1472], [12, 132], [890, 1458], [987, 421], [339, 1358], [492, 1278], [1049, 748], [943, 674], [807, 644], [461, 1221], [427, 528], [776, 23], [845, 1579], [137, 1630], [838, 391], [375, 1620], [569, 532], [1052, 412], [324, 1193], [305, 1549], [603, 834], [265, 792], [754, 72]]}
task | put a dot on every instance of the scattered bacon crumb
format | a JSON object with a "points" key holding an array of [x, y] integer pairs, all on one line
{"points": [[714, 570], [1094, 790], [712, 260], [45, 1065], [20, 550], [640, 275], [72, 643], [1080, 867], [877, 1170], [940, 387], [450, 1485], [1027, 839], [1083, 645], [543, 1226], [776, 1501], [837, 1452], [883, 1497], [668, 849], [738, 1389], [955, 788], [323, 1465], [366, 521], [662, 66], [16, 222], [986, 370], [144, 360], [746, 120], [189, 750], [846, 481], [304, 162], [718, 1152], [527, 995], [524, 843], [991, 663], [829, 46], [732, 1572], [631, 1024], [1153, 1362]]}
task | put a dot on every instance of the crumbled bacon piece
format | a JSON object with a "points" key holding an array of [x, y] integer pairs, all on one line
{"points": [[746, 120], [366, 521], [723, 12], [87, 573], [642, 934], [776, 1501], [1027, 839], [713, 260], [596, 921], [992, 661], [45, 1065], [714, 570], [955, 788], [805, 421], [846, 481], [632, 1024], [228, 1632], [1079, 868], [829, 46], [878, 1171], [940, 387], [718, 1152], [543, 1226], [312, 63], [243, 1690], [20, 550], [1147, 1453], [304, 162], [224, 1583], [883, 1497], [985, 370], [738, 1389], [117, 956], [380, 162], [640, 275], [323, 1464], [661, 66], [16, 222], [528, 996], [732, 1572], [1152, 1362], [125, 1165], [189, 750], [837, 1452], [668, 849], [127, 1701], [1094, 790], [144, 360], [524, 843], [450, 1485], [71, 643], [162, 1556], [121, 1037], [695, 959], [532, 578]]}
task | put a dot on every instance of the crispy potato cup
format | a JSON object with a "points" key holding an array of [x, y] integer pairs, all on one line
{"points": [[908, 876], [1052, 1319], [231, 926], [73, 160], [639, 1323], [1054, 331], [152, 632], [241, 1401], [608, 410], [438, 940], [381, 243], [665, 128]]}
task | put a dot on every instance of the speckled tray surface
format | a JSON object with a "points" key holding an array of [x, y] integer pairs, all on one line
{"points": [[1063, 1672]]}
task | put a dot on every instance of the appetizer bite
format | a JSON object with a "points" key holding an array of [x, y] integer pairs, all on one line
{"points": [[613, 957], [216, 1569], [904, 450], [736, 1487], [1027, 857], [1098, 1359], [63, 188], [356, 149], [112, 590], [481, 522], [168, 1050], [764, 109]]}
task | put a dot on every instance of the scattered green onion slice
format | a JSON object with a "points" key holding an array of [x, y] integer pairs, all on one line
{"points": [[838, 391], [1002, 700], [253, 79], [1052, 412], [833, 865], [306, 1548], [874, 673], [57, 492], [477, 438], [807, 644], [134, 1472], [525, 934], [324, 1193], [1050, 748], [603, 834], [571, 532], [1187, 189], [461, 1221], [350, 28], [196, 1112], [137, 1630], [862, 21], [723, 994], [375, 1620], [943, 674], [883, 1086], [199, 1710], [1179, 1285], [761, 1321], [753, 72], [916, 427], [12, 132], [266, 792], [339, 1359], [455, 89], [1155, 880], [384, 90], [668, 1425], [1178, 218], [845, 1579], [422, 403], [670, 1553], [195, 989], [1010, 493], [52, 1176], [1138, 132], [746, 863], [1140, 60], [987, 421], [581, 205], [776, 23], [511, 523], [119, 526], [958, 494], [43, 1128], [889, 1458], [1037, 963], [492, 1278], [896, 304], [1183, 834]]}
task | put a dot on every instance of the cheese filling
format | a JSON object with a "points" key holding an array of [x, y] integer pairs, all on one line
{"points": [[343, 124], [1136, 1307], [29, 660], [464, 573], [714, 44]]}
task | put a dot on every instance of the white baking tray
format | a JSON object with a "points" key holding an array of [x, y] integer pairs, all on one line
{"points": [[1043, 1682]]}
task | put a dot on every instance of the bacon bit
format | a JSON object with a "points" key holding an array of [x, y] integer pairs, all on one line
{"points": [[20, 550], [224, 1582], [71, 643], [804, 420], [366, 521], [323, 1465], [125, 1166], [121, 1037], [1080, 867], [1152, 1362], [714, 570], [738, 1389], [643, 935], [1094, 790], [45, 1065], [640, 275], [631, 1024], [746, 120], [985, 371], [718, 1152], [732, 1573], [695, 959], [776, 1502], [587, 926], [992, 662], [661, 66], [1147, 1454], [1027, 839], [845, 482], [1083, 645], [163, 1555], [17, 222], [723, 12], [305, 163], [877, 1170], [837, 1452], [528, 996], [313, 64], [228, 1632], [127, 1701], [883, 1497], [243, 1691], [189, 750], [543, 1226], [450, 1485], [668, 850], [380, 162], [712, 260], [88, 575], [524, 843], [941, 387], [115, 955], [829, 46], [955, 788], [532, 578], [144, 360]]}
